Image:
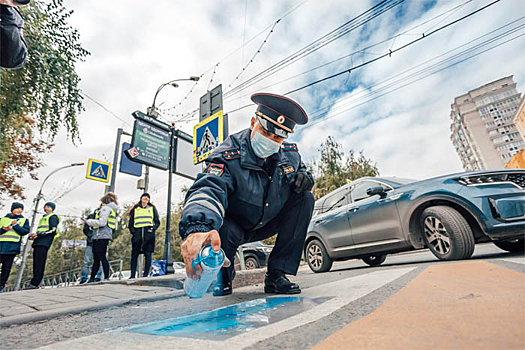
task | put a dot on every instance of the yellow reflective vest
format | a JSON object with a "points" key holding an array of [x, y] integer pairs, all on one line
{"points": [[11, 235], [143, 217], [43, 224], [112, 219]]}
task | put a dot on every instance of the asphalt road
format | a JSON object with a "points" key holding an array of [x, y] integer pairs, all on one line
{"points": [[346, 294]]}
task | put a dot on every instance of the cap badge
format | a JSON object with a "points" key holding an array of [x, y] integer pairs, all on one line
{"points": [[280, 119]]}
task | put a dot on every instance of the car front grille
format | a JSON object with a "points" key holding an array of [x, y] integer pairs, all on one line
{"points": [[517, 178]]}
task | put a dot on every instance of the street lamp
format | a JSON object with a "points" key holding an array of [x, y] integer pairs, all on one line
{"points": [[33, 219], [151, 110]]}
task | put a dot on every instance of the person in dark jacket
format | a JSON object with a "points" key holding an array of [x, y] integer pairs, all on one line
{"points": [[13, 48], [12, 227], [42, 240], [88, 252], [253, 187], [143, 222]]}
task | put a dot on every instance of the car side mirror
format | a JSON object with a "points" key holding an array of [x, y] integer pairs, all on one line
{"points": [[375, 190]]}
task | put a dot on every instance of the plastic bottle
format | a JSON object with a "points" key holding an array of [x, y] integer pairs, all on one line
{"points": [[211, 263]]}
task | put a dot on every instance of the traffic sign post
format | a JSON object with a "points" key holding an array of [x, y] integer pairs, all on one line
{"points": [[207, 135], [98, 170]]}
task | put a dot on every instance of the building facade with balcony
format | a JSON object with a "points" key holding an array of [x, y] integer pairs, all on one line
{"points": [[482, 128]]}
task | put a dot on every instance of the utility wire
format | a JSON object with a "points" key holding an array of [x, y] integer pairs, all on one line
{"points": [[104, 108], [328, 38], [354, 98], [411, 82], [362, 50], [242, 47], [389, 54]]}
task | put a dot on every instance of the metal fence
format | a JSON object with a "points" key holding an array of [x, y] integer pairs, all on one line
{"points": [[67, 278]]}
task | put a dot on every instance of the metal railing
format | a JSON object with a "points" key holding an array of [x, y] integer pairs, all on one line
{"points": [[67, 278]]}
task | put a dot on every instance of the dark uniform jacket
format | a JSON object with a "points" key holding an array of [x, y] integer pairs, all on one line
{"points": [[46, 239], [239, 185], [13, 48], [14, 247], [143, 238]]}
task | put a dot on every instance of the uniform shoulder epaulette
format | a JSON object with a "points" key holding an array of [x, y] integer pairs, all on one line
{"points": [[289, 147], [232, 153]]}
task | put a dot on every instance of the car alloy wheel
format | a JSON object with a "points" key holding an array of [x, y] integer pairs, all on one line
{"points": [[251, 264], [437, 235], [447, 233], [317, 257]]}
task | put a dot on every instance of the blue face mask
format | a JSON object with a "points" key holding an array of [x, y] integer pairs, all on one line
{"points": [[263, 147]]}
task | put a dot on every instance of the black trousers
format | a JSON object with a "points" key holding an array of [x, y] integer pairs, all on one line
{"points": [[134, 257], [7, 262], [39, 264], [290, 225], [100, 248]]}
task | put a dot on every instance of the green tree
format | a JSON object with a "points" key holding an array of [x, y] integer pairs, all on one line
{"points": [[42, 97], [334, 170]]}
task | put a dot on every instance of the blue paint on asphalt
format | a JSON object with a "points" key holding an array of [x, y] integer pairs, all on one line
{"points": [[226, 322]]}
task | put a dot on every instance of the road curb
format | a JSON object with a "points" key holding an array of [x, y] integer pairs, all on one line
{"points": [[47, 314]]}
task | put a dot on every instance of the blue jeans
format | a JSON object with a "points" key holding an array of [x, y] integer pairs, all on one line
{"points": [[86, 265]]}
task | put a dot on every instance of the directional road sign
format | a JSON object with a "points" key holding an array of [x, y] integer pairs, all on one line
{"points": [[98, 170], [207, 135], [151, 141]]}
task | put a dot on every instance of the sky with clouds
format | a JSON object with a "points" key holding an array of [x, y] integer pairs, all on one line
{"points": [[396, 109]]}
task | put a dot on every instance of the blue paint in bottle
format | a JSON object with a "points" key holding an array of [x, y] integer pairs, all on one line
{"points": [[211, 262]]}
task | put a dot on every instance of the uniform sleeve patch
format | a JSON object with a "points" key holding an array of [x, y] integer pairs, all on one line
{"points": [[289, 169], [215, 169]]}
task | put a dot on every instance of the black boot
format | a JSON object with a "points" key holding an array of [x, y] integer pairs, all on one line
{"points": [[224, 283], [276, 282]]}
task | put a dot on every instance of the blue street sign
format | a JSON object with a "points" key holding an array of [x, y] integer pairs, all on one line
{"points": [[97, 170], [126, 165], [207, 135]]}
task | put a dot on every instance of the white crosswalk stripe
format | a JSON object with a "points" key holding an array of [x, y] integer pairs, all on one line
{"points": [[515, 260], [341, 292]]}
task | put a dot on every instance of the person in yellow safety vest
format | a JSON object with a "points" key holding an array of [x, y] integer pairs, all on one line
{"points": [[143, 222], [12, 227], [104, 223], [42, 240]]}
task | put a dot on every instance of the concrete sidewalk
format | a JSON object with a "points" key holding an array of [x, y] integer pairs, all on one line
{"points": [[40, 304]]}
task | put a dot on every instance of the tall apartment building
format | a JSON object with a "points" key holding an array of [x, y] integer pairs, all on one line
{"points": [[482, 129]]}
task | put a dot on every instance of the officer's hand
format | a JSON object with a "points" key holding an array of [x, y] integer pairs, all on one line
{"points": [[192, 246], [301, 182]]}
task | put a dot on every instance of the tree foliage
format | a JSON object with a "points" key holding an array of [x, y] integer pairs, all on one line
{"points": [[41, 97], [334, 170]]}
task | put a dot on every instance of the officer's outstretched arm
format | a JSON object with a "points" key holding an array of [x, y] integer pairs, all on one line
{"points": [[207, 200]]}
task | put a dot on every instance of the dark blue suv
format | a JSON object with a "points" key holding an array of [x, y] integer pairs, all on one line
{"points": [[372, 217]]}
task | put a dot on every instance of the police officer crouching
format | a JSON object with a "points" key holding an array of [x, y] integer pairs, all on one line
{"points": [[254, 186]]}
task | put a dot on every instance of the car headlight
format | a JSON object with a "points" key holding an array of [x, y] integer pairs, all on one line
{"points": [[484, 179]]}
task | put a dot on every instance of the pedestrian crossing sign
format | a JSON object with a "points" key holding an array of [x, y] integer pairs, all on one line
{"points": [[207, 135], [97, 170]]}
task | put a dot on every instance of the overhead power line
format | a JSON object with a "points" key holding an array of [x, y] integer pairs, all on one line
{"points": [[326, 39], [322, 120], [361, 50], [389, 54], [104, 108], [236, 50]]}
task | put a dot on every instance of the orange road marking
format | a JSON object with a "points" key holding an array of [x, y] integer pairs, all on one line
{"points": [[465, 305]]}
